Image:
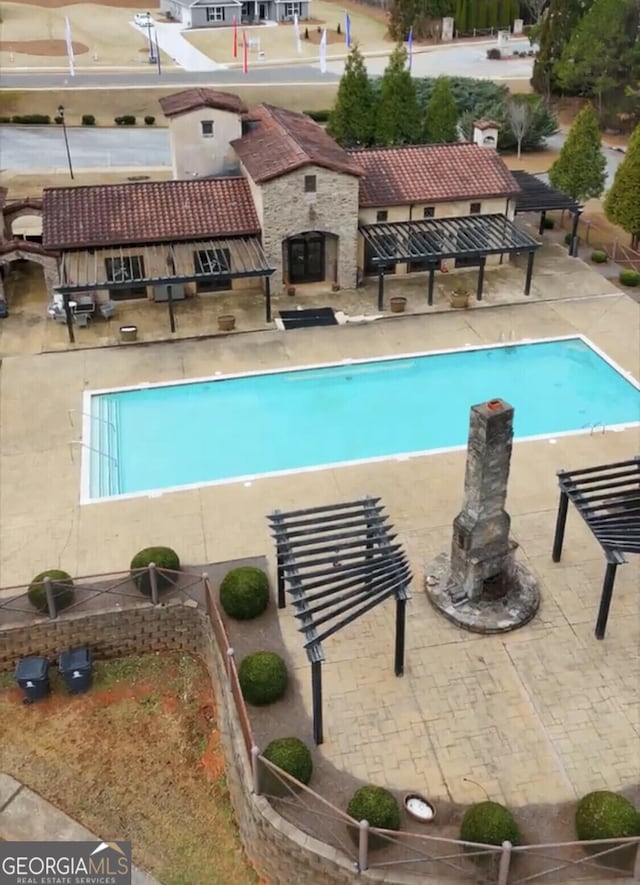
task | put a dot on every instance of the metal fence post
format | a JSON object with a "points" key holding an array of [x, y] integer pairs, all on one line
{"points": [[505, 863], [255, 769], [230, 656], [363, 846], [153, 580], [51, 600]]}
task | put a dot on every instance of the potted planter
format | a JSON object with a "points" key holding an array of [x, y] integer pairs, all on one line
{"points": [[291, 291], [419, 808], [335, 287], [397, 303], [226, 322], [128, 333], [459, 298]]}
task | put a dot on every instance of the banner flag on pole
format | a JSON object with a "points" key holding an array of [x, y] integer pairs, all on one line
{"points": [[347, 30], [235, 37], [245, 54], [67, 33], [410, 45], [323, 52], [296, 31]]}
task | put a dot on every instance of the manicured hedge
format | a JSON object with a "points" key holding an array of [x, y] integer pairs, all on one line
{"points": [[38, 119], [163, 557], [88, 120], [149, 120], [489, 823], [263, 678], [599, 257], [630, 278], [606, 815], [244, 593], [291, 755], [377, 806], [61, 585]]}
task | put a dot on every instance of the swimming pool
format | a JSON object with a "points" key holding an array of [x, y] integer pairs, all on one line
{"points": [[162, 437]]}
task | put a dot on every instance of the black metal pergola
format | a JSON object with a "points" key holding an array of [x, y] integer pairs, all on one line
{"points": [[163, 264], [608, 499], [339, 562], [538, 196], [430, 241]]}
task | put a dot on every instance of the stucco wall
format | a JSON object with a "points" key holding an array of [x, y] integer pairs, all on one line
{"points": [[415, 212], [193, 154], [287, 210]]}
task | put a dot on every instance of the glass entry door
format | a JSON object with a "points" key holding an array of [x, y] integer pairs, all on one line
{"points": [[306, 258]]}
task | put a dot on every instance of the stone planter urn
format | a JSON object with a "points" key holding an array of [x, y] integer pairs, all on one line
{"points": [[226, 322], [459, 299], [398, 304]]}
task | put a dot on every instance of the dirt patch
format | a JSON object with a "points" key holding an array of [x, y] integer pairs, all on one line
{"points": [[315, 37], [42, 47], [116, 4], [137, 758]]}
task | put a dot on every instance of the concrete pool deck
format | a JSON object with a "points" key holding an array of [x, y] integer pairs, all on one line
{"points": [[540, 715]]}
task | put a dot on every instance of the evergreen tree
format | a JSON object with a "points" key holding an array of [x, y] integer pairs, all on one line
{"points": [[459, 16], [351, 121], [580, 169], [402, 14], [622, 203], [556, 28], [599, 58], [464, 25], [492, 14], [504, 14], [398, 113], [441, 123]]}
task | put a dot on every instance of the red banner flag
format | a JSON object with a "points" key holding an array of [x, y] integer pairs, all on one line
{"points": [[245, 54], [235, 37]]}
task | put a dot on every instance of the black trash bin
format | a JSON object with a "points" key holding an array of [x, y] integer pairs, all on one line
{"points": [[75, 668], [32, 675]]}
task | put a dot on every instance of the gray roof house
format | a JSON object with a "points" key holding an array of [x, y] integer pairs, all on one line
{"points": [[220, 13]]}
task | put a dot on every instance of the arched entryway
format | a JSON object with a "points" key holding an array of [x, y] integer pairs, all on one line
{"points": [[28, 273], [310, 257]]}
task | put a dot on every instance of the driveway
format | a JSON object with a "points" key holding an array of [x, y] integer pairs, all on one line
{"points": [[171, 41], [40, 147]]}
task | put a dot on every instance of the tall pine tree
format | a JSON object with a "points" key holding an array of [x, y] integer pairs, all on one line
{"points": [[351, 121], [622, 203], [398, 114], [580, 170], [441, 121], [599, 59], [558, 23]]}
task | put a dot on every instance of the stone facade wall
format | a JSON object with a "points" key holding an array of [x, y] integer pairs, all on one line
{"points": [[287, 210], [48, 263], [194, 154], [109, 633]]}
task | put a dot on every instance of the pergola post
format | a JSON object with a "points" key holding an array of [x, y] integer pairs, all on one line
{"points": [[401, 612], [561, 521], [573, 245], [380, 288], [480, 285], [432, 276], [172, 316], [69, 316], [527, 280], [267, 298], [605, 599], [543, 218], [316, 695]]}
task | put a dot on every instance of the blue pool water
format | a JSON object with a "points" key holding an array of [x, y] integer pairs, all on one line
{"points": [[192, 433]]}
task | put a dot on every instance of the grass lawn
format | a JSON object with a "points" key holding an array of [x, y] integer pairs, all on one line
{"points": [[137, 758]]}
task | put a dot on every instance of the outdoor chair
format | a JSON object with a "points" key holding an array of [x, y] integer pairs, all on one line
{"points": [[81, 319], [107, 309]]}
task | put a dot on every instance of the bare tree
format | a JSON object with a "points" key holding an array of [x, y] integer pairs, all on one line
{"points": [[520, 117], [535, 8]]}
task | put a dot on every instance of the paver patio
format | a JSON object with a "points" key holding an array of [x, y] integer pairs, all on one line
{"points": [[540, 715]]}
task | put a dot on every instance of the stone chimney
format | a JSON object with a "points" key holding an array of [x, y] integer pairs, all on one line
{"points": [[481, 549], [485, 133]]}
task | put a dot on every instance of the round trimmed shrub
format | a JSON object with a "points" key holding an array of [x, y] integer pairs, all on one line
{"points": [[494, 53], [244, 593], [291, 755], [163, 557], [263, 678], [88, 120], [630, 277], [599, 257], [61, 584], [377, 806], [149, 120], [606, 815], [549, 223], [489, 823], [567, 239]]}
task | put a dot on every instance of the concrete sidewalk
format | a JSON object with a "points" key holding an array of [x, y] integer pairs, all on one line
{"points": [[171, 41], [27, 817]]}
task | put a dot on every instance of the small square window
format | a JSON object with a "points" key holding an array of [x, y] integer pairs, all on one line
{"points": [[475, 208], [207, 128], [429, 212], [310, 184], [382, 215]]}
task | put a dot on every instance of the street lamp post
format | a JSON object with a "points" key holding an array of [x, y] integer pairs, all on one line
{"points": [[66, 138]]}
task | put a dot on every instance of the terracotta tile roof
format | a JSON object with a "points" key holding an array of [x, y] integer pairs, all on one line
{"points": [[192, 99], [148, 212], [432, 173], [282, 141]]}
